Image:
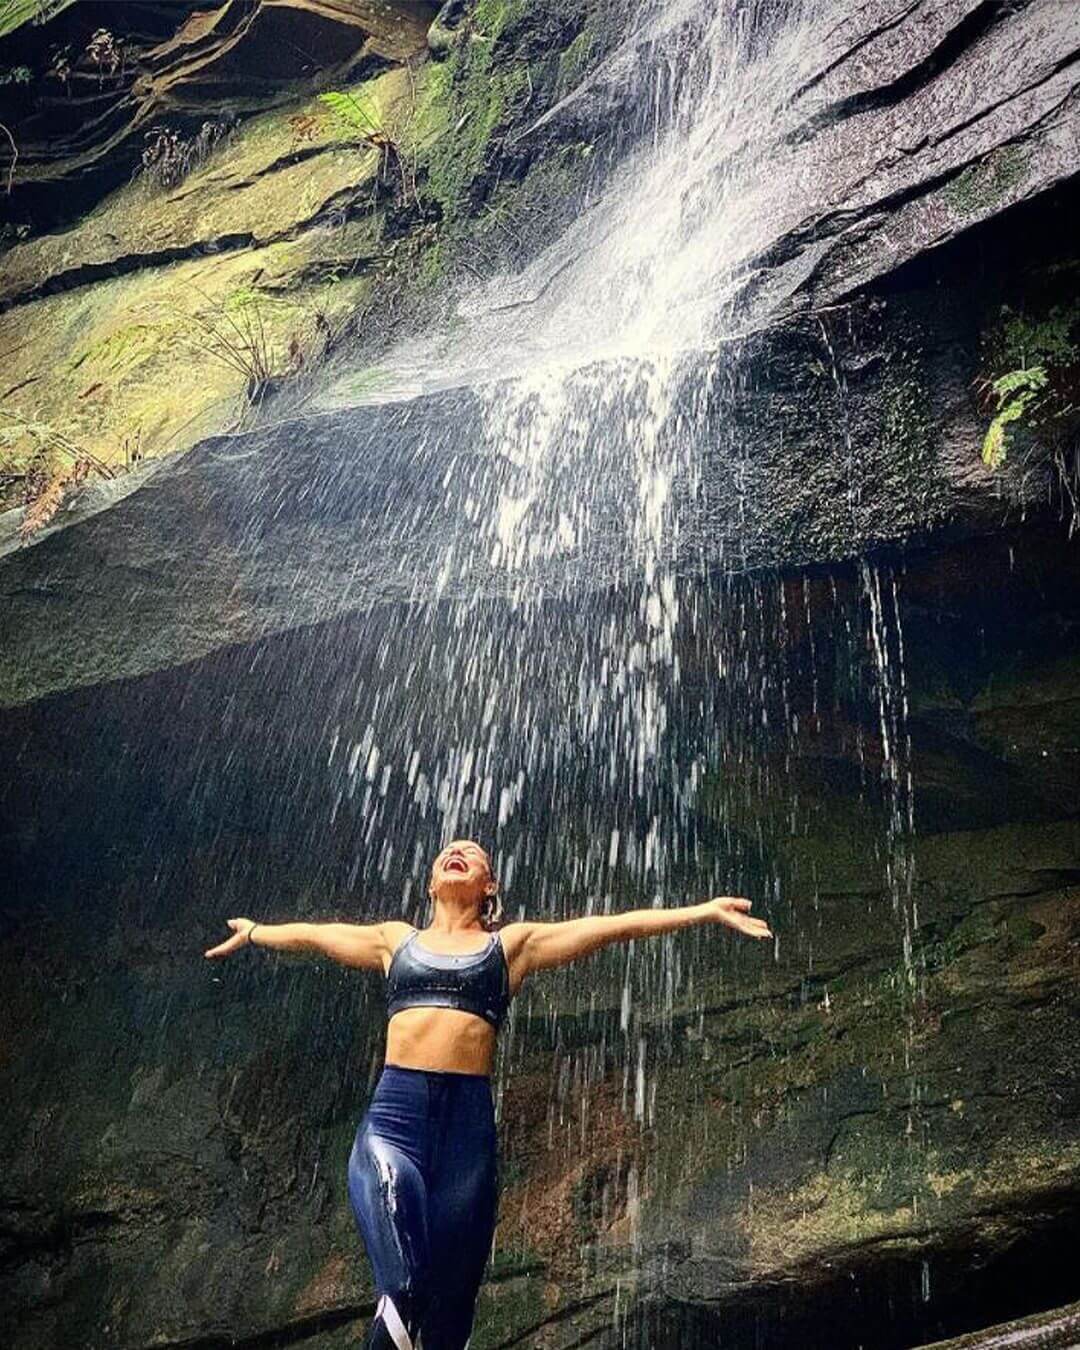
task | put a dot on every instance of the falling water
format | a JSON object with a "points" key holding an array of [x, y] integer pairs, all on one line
{"points": [[581, 686], [590, 394]]}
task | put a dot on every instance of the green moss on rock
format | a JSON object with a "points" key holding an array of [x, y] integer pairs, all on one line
{"points": [[241, 276], [574, 61], [983, 185], [463, 102], [909, 443]]}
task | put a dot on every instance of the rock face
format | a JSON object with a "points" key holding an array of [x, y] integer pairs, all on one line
{"points": [[929, 119], [1050, 1330], [171, 312], [911, 124], [81, 119], [243, 245], [244, 687], [818, 440], [828, 1135]]}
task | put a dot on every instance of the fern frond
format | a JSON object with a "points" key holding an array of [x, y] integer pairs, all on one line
{"points": [[1024, 384], [357, 115]]}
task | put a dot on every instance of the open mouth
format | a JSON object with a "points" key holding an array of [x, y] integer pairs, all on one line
{"points": [[456, 864]]}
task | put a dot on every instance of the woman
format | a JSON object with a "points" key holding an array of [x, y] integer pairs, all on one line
{"points": [[422, 1172]]}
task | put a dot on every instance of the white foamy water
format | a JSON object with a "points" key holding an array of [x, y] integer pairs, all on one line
{"points": [[648, 271]]}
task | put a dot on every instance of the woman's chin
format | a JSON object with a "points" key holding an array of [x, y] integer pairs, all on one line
{"points": [[456, 887]]}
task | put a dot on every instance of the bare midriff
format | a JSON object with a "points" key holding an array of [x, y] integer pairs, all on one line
{"points": [[440, 1038]]}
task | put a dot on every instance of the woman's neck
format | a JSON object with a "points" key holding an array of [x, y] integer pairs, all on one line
{"points": [[449, 924]]}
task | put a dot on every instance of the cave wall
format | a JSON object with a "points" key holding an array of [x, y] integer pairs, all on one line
{"points": [[820, 438], [747, 1148]]}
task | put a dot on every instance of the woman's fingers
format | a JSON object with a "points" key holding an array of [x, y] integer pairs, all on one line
{"points": [[238, 939], [729, 903], [734, 910]]}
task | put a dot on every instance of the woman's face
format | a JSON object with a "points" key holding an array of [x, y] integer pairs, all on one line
{"points": [[462, 870]]}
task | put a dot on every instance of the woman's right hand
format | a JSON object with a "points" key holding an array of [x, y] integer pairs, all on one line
{"points": [[734, 912], [241, 928]]}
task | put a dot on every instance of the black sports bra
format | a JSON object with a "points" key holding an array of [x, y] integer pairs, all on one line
{"points": [[475, 982]]}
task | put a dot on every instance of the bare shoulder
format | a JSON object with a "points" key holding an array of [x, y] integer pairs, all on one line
{"points": [[395, 931], [392, 933], [513, 937]]}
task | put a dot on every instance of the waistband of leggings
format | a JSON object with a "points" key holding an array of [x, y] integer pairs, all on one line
{"points": [[435, 1073]]}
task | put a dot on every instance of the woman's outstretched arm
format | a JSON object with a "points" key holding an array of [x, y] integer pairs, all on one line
{"points": [[539, 946], [362, 945]]}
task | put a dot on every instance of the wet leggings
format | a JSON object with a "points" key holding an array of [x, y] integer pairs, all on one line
{"points": [[423, 1184]]}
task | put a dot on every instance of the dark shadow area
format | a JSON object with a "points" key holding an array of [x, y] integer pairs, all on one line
{"points": [[891, 1301]]}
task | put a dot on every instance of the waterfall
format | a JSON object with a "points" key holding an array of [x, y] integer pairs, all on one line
{"points": [[576, 681], [549, 638], [596, 368]]}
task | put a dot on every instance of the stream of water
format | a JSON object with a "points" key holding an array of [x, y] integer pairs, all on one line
{"points": [[621, 724], [596, 529]]}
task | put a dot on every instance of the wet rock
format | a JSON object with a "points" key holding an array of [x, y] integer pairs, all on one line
{"points": [[168, 314], [80, 123], [824, 1133], [1056, 1330], [440, 35], [818, 440], [917, 123]]}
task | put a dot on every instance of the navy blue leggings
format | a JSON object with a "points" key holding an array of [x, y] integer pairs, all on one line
{"points": [[423, 1183]]}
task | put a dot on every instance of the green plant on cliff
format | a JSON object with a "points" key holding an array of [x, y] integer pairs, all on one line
{"points": [[1016, 394], [465, 100], [356, 112], [362, 117], [43, 468], [492, 18], [233, 331], [15, 13], [1032, 366], [506, 63], [266, 338]]}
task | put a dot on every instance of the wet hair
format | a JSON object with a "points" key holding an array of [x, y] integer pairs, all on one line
{"points": [[491, 910]]}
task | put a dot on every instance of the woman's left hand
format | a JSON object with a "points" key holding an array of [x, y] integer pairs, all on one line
{"points": [[734, 911]]}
